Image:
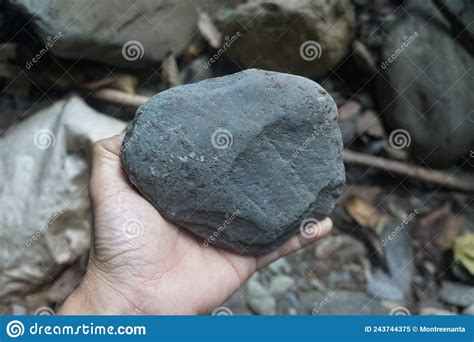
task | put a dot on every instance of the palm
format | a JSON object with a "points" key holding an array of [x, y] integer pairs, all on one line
{"points": [[168, 267]]}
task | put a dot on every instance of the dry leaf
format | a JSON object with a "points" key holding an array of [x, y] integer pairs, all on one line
{"points": [[363, 212], [126, 82], [464, 251]]}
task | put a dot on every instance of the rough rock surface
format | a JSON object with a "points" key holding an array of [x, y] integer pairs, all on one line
{"points": [[280, 35], [427, 89], [99, 30], [239, 160]]}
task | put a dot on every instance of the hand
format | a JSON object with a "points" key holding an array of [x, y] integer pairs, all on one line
{"points": [[142, 264]]}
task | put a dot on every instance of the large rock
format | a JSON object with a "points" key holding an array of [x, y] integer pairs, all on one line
{"points": [[45, 215], [119, 32], [427, 83], [239, 160], [305, 37]]}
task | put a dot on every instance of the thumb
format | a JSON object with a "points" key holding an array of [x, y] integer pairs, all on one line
{"points": [[107, 175]]}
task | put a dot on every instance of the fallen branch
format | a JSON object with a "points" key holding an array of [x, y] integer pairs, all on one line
{"points": [[120, 97], [441, 178]]}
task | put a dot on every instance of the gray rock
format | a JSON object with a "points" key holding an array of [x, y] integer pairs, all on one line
{"points": [[305, 37], [241, 160], [435, 312], [457, 293], [280, 266], [427, 88], [341, 302], [259, 298], [237, 304], [281, 284], [100, 30], [469, 311]]}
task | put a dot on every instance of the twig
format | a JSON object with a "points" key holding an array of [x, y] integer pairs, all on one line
{"points": [[435, 177], [120, 97]]}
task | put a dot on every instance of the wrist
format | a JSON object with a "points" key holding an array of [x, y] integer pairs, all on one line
{"points": [[95, 297]]}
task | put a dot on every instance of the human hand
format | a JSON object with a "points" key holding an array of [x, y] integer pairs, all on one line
{"points": [[142, 264]]}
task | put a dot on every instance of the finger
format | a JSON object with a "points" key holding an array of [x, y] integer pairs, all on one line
{"points": [[296, 242], [107, 170]]}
